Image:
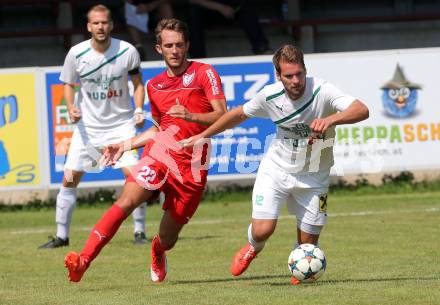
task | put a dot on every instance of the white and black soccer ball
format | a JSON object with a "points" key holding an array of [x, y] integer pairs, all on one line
{"points": [[307, 263]]}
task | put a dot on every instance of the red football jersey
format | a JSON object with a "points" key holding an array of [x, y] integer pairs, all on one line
{"points": [[193, 89]]}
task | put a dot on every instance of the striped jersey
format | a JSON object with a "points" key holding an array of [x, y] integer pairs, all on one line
{"points": [[291, 149], [103, 96]]}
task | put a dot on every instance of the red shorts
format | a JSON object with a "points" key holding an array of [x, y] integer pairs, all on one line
{"points": [[182, 191]]}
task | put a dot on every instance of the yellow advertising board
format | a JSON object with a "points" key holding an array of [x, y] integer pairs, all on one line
{"points": [[19, 139]]}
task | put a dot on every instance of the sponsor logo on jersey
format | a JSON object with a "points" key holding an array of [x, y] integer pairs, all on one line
{"points": [[280, 107], [213, 81], [259, 199], [103, 81], [323, 203], [103, 85], [105, 95], [188, 78], [300, 129]]}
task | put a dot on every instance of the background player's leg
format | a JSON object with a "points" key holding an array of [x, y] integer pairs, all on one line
{"points": [[66, 202], [139, 216], [65, 205]]}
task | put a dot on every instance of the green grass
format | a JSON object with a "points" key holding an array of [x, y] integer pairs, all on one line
{"points": [[381, 249]]}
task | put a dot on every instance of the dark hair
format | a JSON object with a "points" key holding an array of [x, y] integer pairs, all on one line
{"points": [[99, 8], [290, 54], [171, 24]]}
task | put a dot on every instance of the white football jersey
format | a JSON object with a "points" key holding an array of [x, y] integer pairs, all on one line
{"points": [[103, 97], [291, 149]]}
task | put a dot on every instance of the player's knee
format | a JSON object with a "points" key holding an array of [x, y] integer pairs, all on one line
{"points": [[308, 228], [261, 233], [71, 182], [262, 236], [127, 204], [71, 178]]}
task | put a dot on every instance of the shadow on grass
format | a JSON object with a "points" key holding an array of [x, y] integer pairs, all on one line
{"points": [[331, 282], [232, 279], [198, 237], [318, 283]]}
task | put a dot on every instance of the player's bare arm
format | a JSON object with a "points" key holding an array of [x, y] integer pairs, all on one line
{"points": [[356, 112], [223, 9], [218, 106], [138, 96], [113, 152], [228, 120], [69, 96]]}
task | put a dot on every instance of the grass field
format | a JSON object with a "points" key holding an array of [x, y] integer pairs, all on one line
{"points": [[381, 249]]}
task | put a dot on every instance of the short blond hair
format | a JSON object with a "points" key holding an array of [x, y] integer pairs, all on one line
{"points": [[171, 24], [100, 8], [289, 54]]}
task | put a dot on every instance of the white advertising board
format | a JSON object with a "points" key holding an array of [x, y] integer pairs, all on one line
{"points": [[400, 89]]}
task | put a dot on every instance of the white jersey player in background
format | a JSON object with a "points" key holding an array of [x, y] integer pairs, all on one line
{"points": [[296, 167], [102, 112]]}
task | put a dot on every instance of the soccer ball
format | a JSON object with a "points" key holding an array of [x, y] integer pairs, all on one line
{"points": [[306, 263]]}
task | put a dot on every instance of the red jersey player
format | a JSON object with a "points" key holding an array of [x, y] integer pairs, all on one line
{"points": [[185, 99]]}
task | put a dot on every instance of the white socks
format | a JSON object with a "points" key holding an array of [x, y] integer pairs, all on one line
{"points": [[258, 246], [139, 218], [66, 202]]}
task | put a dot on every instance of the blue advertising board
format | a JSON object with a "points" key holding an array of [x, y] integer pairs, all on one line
{"points": [[239, 150], [235, 151]]}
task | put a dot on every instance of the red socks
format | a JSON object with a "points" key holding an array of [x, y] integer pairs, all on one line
{"points": [[103, 232], [157, 247]]}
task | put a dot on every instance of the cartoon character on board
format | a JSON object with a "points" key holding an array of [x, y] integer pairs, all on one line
{"points": [[399, 97], [9, 115]]}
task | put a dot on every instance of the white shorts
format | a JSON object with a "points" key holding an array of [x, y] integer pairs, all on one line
{"points": [[305, 194], [138, 21], [86, 146]]}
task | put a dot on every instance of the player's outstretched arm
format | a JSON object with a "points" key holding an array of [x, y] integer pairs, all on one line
{"points": [[113, 152], [356, 112], [228, 120]]}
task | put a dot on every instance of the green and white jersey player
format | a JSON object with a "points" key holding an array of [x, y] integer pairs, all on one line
{"points": [[101, 111], [296, 167]]}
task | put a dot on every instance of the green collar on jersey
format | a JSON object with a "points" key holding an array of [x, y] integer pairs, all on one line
{"points": [[103, 64], [290, 116]]}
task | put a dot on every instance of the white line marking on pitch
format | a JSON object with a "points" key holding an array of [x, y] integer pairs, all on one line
{"points": [[219, 221]]}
